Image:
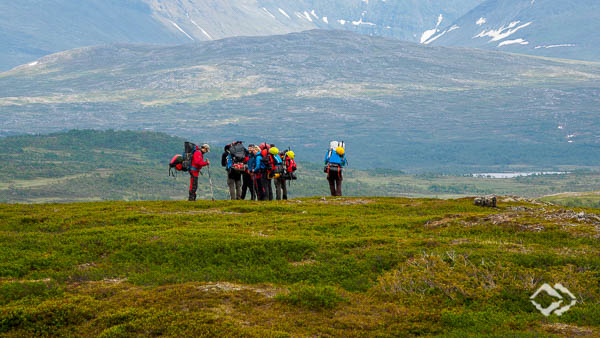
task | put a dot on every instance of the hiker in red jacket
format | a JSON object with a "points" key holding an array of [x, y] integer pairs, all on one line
{"points": [[197, 164]]}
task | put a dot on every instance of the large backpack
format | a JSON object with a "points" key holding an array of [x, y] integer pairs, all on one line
{"points": [[274, 168], [188, 155], [290, 168], [237, 152], [333, 145]]}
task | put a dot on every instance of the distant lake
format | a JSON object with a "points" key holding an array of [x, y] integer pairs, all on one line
{"points": [[518, 174]]}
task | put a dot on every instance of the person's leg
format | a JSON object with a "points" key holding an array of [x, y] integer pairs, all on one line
{"points": [[338, 186], [331, 181], [264, 182], [246, 184], [257, 187], [238, 188], [270, 189], [284, 188], [277, 189], [231, 185], [193, 187], [252, 188]]}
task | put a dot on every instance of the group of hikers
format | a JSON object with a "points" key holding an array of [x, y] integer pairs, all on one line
{"points": [[253, 169]]}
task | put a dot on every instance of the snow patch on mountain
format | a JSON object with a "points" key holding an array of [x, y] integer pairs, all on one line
{"points": [[430, 32], [202, 30], [270, 14], [555, 46], [314, 14], [325, 20], [481, 21], [361, 22], [342, 22], [502, 32], [284, 13], [181, 30], [454, 27], [307, 16], [512, 42]]}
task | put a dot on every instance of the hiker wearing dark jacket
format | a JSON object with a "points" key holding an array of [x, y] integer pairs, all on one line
{"points": [[335, 160], [234, 177], [248, 181], [198, 163]]}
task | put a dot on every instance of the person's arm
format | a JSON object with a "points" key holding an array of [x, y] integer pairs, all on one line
{"points": [[200, 162], [224, 159], [326, 157]]}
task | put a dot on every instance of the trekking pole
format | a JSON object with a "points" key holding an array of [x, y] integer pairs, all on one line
{"points": [[212, 193]]}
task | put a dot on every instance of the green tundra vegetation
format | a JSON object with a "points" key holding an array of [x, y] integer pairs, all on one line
{"points": [[88, 165], [575, 199], [307, 267]]}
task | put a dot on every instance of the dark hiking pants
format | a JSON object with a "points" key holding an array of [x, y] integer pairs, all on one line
{"points": [[193, 187], [335, 182], [261, 193], [248, 184], [269, 189], [280, 187]]}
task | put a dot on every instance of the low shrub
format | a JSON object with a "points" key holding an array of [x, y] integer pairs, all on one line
{"points": [[314, 297]]}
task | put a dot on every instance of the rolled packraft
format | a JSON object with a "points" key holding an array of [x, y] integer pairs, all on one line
{"points": [[241, 167], [176, 163]]}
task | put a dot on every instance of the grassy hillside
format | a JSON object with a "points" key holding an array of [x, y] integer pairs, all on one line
{"points": [[431, 108], [575, 199], [311, 267], [87, 165]]}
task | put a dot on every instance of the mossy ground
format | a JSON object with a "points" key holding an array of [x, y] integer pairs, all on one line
{"points": [[309, 267]]}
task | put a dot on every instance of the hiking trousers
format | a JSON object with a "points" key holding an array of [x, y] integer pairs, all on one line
{"points": [[193, 187], [235, 188], [335, 182], [248, 184], [261, 188], [280, 187], [269, 189]]}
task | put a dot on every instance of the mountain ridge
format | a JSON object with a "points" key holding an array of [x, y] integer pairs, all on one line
{"points": [[539, 27], [56, 25], [429, 102]]}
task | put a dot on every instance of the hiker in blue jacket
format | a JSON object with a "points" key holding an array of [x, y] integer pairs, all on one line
{"points": [[335, 160], [260, 174], [247, 176]]}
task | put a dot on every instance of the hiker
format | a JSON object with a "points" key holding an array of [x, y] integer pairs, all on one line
{"points": [[198, 163], [280, 181], [335, 160], [289, 168], [234, 154], [259, 173], [265, 180], [247, 179]]}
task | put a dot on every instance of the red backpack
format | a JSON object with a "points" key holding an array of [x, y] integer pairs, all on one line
{"points": [[290, 164]]}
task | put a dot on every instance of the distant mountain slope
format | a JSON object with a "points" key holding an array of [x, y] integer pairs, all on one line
{"points": [[397, 104], [566, 29], [30, 29]]}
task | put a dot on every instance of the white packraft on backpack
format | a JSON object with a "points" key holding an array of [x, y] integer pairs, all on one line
{"points": [[333, 145]]}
